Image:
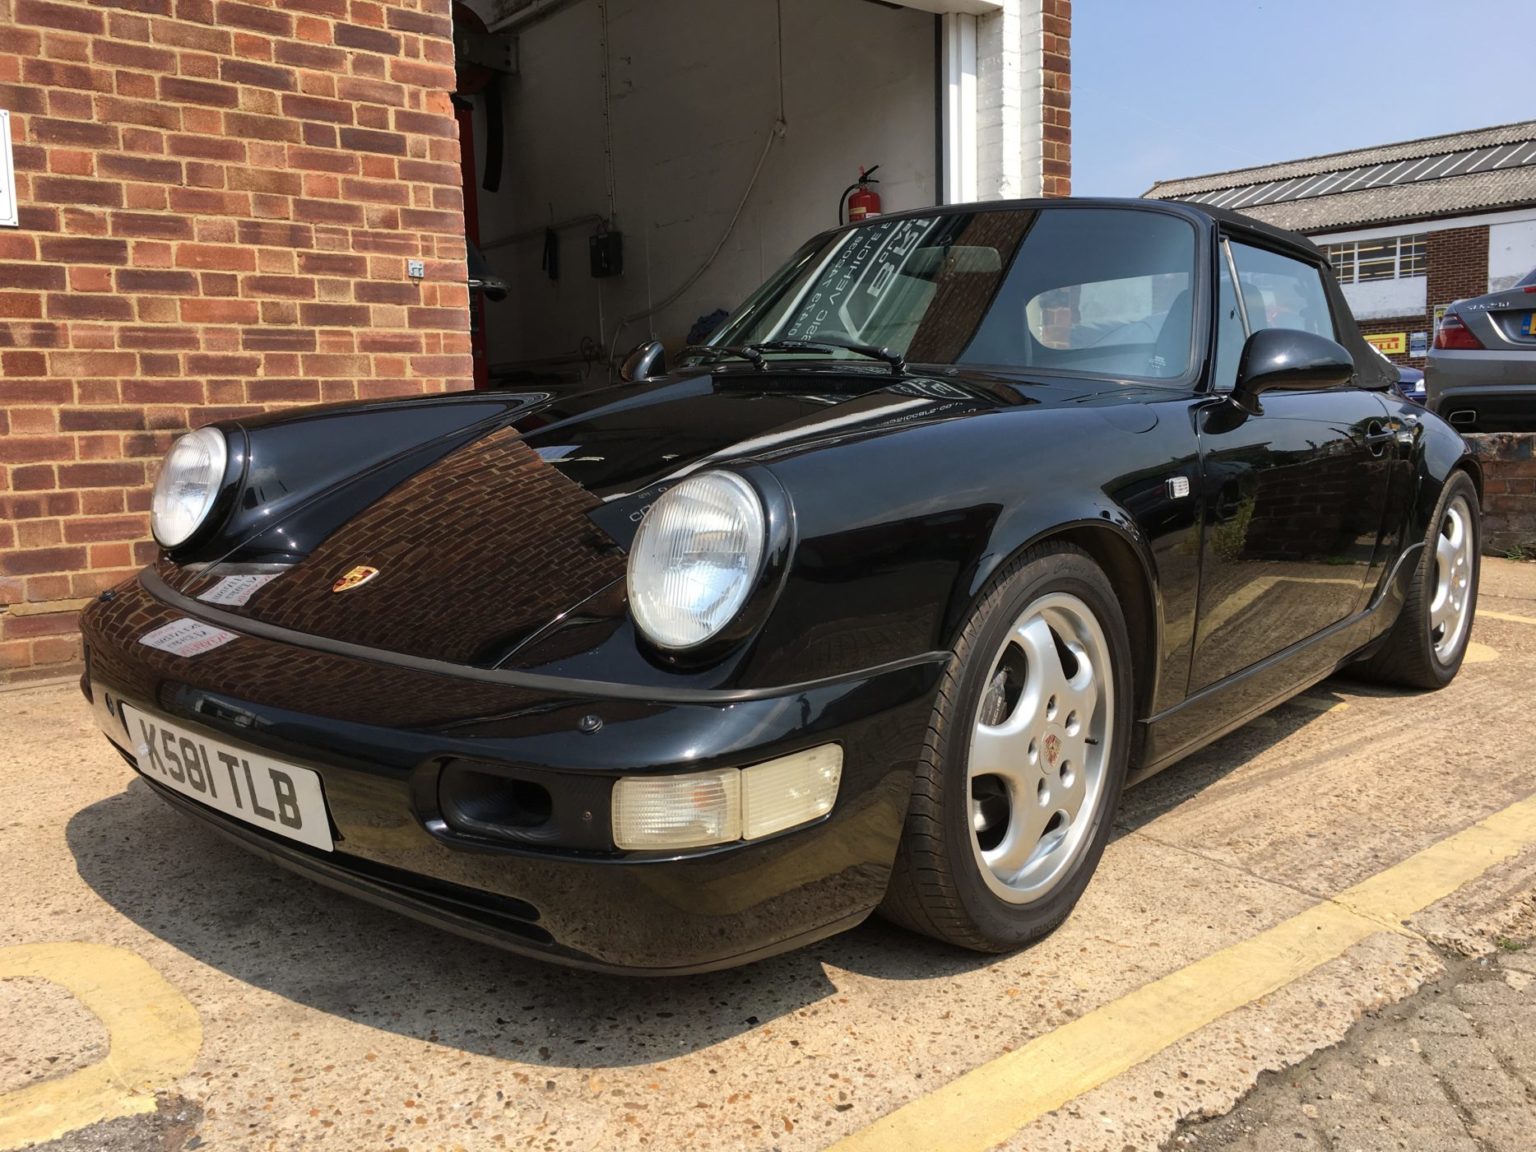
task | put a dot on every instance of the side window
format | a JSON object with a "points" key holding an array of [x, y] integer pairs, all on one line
{"points": [[1230, 333], [1281, 292]]}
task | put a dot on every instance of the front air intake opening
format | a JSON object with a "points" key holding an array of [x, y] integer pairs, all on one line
{"points": [[483, 802]]}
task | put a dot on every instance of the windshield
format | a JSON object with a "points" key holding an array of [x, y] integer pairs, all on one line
{"points": [[1105, 291], [1529, 281]]}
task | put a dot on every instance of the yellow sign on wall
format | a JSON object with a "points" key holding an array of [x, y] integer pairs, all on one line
{"points": [[1391, 343]]}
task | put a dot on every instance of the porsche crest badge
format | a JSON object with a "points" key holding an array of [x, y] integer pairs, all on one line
{"points": [[355, 579]]}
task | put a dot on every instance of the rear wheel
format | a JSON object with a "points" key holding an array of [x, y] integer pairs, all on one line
{"points": [[1025, 759], [1429, 641]]}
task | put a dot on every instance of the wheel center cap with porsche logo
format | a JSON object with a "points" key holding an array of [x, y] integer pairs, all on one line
{"points": [[355, 579], [1052, 749]]}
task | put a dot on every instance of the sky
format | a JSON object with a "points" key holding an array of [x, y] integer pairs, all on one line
{"points": [[1169, 88]]}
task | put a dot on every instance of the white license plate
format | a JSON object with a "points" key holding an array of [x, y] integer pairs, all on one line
{"points": [[281, 798]]}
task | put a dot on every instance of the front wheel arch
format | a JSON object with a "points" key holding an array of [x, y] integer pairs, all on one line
{"points": [[1129, 572]]}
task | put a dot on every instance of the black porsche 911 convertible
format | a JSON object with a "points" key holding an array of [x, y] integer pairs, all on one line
{"points": [[966, 519]]}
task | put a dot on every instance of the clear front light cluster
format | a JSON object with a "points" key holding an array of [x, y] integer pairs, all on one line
{"points": [[188, 486], [702, 809], [696, 559]]}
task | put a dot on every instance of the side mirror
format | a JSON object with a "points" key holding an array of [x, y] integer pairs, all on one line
{"points": [[1287, 359], [646, 361]]}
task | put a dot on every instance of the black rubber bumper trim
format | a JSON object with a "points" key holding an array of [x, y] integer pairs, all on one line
{"points": [[160, 590]]}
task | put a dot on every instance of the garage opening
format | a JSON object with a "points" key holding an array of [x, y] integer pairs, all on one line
{"points": [[658, 159]]}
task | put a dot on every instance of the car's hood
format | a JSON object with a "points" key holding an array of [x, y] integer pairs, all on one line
{"points": [[495, 532]]}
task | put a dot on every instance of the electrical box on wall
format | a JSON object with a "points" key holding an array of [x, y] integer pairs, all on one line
{"points": [[9, 216], [607, 255]]}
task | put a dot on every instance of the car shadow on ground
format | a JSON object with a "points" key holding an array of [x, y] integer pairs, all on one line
{"points": [[332, 953]]}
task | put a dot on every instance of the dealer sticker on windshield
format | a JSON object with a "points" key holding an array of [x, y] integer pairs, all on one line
{"points": [[187, 638]]}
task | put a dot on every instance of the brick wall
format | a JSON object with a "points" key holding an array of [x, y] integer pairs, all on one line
{"points": [[1024, 99], [218, 200], [1056, 98], [1509, 492], [1458, 264]]}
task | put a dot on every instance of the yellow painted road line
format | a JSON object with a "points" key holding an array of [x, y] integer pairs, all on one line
{"points": [[1479, 653], [154, 1038], [1509, 617], [989, 1104]]}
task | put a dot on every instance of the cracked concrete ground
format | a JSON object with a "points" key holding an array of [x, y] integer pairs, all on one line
{"points": [[325, 1022], [1451, 1069]]}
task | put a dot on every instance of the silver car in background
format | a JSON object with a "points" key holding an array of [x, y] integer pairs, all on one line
{"points": [[1481, 373]]}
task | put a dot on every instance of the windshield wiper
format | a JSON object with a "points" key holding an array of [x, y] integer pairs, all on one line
{"points": [[750, 353], [897, 362], [753, 353]]}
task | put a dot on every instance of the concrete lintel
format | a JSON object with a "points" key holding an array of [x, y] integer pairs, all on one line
{"points": [[48, 607], [950, 7]]}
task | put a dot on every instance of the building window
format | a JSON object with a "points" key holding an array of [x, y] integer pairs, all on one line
{"points": [[1393, 258]]}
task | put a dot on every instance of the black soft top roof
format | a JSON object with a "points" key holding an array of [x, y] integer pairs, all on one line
{"points": [[1199, 213]]}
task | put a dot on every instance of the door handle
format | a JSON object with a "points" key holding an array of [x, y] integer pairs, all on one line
{"points": [[1377, 437]]}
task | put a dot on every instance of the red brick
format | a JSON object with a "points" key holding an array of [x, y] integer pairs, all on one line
{"points": [[367, 39], [73, 190], [285, 287], [64, 307], [256, 75], [23, 363], [38, 277], [150, 225], [317, 108], [141, 168], [219, 257], [39, 560], [220, 311], [150, 280], [100, 419]]}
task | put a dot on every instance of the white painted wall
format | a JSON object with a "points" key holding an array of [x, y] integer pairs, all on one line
{"points": [[695, 95], [1381, 299], [1511, 252]]}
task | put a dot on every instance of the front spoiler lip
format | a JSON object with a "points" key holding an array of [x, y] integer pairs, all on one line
{"points": [[382, 895], [151, 582]]}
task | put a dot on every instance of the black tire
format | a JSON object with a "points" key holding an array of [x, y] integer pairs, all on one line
{"points": [[937, 887], [1409, 658]]}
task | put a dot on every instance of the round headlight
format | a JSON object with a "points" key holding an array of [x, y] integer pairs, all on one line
{"points": [[188, 486], [696, 559]]}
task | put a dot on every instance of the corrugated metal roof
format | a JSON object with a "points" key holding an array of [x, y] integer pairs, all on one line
{"points": [[1436, 176]]}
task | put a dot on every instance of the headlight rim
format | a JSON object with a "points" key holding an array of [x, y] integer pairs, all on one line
{"points": [[222, 490], [778, 544]]}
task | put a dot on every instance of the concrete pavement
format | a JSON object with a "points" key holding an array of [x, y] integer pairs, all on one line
{"points": [[1452, 1068], [320, 1020]]}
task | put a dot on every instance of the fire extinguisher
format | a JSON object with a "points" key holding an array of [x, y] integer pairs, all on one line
{"points": [[863, 202]]}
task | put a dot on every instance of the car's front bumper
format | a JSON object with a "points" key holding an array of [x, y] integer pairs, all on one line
{"points": [[379, 735]]}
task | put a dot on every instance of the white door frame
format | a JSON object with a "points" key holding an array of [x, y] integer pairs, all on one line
{"points": [[957, 130]]}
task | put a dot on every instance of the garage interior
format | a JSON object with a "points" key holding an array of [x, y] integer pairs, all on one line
{"points": [[657, 162]]}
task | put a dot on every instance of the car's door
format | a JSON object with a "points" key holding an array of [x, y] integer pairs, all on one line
{"points": [[1293, 498]]}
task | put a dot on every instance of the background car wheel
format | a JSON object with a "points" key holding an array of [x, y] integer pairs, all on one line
{"points": [[1427, 644], [1024, 762]]}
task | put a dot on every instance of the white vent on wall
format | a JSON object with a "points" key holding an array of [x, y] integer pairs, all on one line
{"points": [[8, 215]]}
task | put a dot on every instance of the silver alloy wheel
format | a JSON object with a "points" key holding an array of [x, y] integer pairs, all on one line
{"points": [[1039, 748], [1450, 611]]}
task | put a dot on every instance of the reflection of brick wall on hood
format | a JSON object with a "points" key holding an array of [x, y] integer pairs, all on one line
{"points": [[474, 554]]}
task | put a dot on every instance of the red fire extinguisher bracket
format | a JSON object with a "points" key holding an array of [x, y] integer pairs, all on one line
{"points": [[862, 201]]}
